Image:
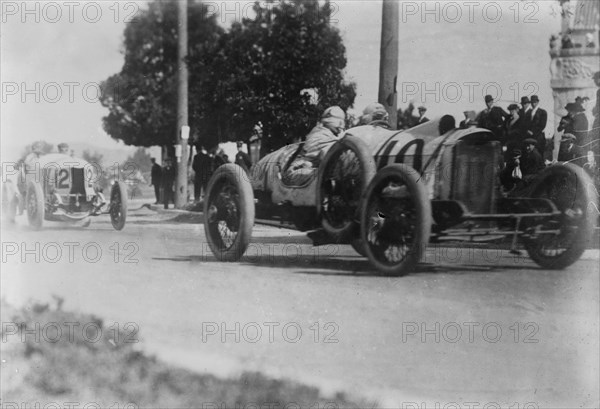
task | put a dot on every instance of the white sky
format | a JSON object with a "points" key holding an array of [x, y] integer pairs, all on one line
{"points": [[75, 48]]}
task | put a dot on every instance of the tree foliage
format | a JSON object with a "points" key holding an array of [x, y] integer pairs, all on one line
{"points": [[251, 74], [258, 70], [142, 98]]}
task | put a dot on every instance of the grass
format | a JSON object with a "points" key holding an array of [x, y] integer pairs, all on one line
{"points": [[114, 373]]}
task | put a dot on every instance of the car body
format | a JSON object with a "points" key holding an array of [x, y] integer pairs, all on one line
{"points": [[389, 193], [58, 187]]}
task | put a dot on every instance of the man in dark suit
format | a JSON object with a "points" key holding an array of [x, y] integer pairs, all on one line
{"points": [[537, 124], [531, 161], [155, 179], [242, 158], [201, 165], [525, 115], [168, 181], [492, 118], [422, 117]]}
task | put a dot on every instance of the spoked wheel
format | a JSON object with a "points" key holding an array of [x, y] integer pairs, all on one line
{"points": [[35, 205], [396, 220], [118, 205], [346, 171], [571, 190], [229, 212]]}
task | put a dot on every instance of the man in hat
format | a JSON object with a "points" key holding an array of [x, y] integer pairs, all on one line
{"points": [[422, 117], [155, 179], [510, 175], [577, 123], [568, 150], [537, 124], [514, 136], [63, 148], [242, 158], [169, 175], [492, 118], [469, 120], [531, 160], [525, 114]]}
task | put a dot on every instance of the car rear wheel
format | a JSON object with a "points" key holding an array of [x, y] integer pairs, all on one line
{"points": [[229, 212], [347, 169], [396, 220], [36, 206], [572, 191], [118, 205]]}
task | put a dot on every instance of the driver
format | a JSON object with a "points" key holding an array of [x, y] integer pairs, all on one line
{"points": [[30, 161], [375, 114], [320, 138], [63, 148]]}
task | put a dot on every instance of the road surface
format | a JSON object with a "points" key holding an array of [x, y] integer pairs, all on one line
{"points": [[472, 326]]}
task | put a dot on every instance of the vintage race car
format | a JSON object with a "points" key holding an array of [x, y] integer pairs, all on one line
{"points": [[61, 188], [390, 193]]}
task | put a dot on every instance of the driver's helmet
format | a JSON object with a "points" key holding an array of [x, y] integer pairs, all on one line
{"points": [[374, 112], [37, 147]]}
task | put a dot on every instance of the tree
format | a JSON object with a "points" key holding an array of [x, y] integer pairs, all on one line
{"points": [[140, 160], [142, 98], [257, 71]]}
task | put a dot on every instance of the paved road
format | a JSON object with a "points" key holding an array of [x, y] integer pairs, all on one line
{"points": [[469, 326]]}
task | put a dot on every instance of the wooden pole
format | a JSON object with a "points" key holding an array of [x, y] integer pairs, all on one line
{"points": [[388, 60], [182, 104]]}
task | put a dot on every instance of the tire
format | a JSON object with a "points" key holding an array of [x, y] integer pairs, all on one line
{"points": [[396, 217], [118, 205], [346, 170], [9, 202], [35, 205], [571, 190], [229, 212]]}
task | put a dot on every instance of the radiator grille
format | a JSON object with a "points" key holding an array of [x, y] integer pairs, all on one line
{"points": [[474, 175]]}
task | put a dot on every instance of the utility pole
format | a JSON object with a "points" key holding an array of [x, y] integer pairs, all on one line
{"points": [[182, 106], [388, 60]]}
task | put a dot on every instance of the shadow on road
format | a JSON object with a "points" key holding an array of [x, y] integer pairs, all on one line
{"points": [[352, 266]]}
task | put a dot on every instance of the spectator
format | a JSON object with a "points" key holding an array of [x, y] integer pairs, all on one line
{"points": [[168, 182], [422, 118], [242, 158], [511, 175], [470, 119], [492, 118], [514, 137], [537, 124], [525, 115], [577, 123], [531, 161], [202, 167], [155, 179], [568, 150]]}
